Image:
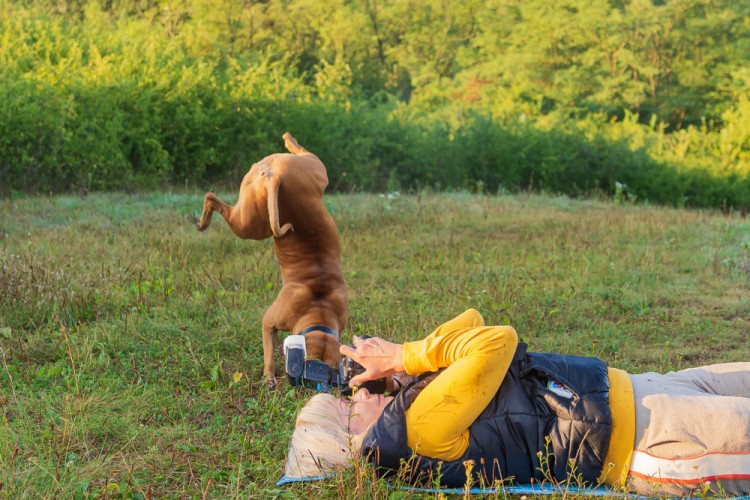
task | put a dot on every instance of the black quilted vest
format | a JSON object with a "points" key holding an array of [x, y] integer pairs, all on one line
{"points": [[527, 431]]}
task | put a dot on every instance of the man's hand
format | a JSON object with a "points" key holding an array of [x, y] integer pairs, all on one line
{"points": [[379, 357]]}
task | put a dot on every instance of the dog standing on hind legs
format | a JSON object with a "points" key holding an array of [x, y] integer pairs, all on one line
{"points": [[282, 196]]}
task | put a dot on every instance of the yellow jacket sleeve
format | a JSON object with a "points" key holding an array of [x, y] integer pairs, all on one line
{"points": [[476, 358]]}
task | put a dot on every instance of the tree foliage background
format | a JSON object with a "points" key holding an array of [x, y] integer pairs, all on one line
{"points": [[639, 99]]}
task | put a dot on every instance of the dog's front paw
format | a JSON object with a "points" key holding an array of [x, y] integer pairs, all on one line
{"points": [[271, 383]]}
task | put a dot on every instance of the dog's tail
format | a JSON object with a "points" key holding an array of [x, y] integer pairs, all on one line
{"points": [[292, 145], [272, 187]]}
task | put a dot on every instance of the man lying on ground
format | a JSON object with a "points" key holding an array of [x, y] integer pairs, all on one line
{"points": [[520, 417]]}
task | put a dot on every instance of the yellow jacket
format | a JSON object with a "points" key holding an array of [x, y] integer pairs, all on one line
{"points": [[476, 358]]}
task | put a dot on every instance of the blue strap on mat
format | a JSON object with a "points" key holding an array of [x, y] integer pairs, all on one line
{"points": [[526, 489], [539, 489]]}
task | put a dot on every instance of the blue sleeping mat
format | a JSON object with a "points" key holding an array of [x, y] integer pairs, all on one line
{"points": [[527, 489]]}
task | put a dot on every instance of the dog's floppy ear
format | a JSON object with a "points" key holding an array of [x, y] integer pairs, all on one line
{"points": [[272, 193]]}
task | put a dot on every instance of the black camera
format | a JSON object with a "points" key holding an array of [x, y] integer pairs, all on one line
{"points": [[315, 374]]}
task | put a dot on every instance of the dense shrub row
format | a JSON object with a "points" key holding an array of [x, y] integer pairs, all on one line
{"points": [[130, 137]]}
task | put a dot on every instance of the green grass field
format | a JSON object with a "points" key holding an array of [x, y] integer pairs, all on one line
{"points": [[131, 348]]}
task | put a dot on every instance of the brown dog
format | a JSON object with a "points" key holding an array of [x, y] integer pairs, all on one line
{"points": [[282, 195]]}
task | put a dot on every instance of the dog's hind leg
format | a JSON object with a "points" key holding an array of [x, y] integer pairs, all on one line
{"points": [[210, 204], [292, 145]]}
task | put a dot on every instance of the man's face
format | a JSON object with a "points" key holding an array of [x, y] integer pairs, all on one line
{"points": [[363, 410]]}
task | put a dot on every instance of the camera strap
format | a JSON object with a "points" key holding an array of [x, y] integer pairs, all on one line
{"points": [[320, 328]]}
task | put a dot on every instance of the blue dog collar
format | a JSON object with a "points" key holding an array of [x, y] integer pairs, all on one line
{"points": [[320, 328]]}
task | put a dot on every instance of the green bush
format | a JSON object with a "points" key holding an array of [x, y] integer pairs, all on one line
{"points": [[86, 107]]}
